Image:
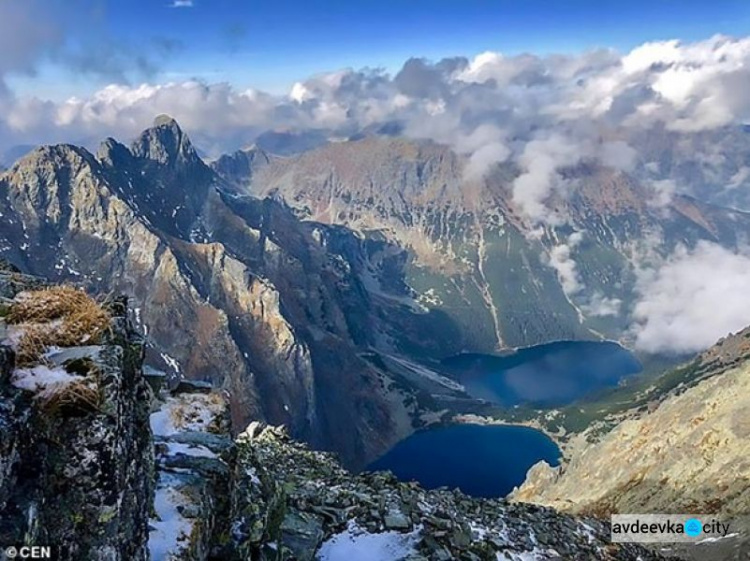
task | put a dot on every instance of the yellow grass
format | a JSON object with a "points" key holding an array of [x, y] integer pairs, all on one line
{"points": [[60, 316], [77, 396], [31, 346]]}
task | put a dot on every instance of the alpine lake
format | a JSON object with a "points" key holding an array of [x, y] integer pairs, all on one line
{"points": [[490, 460]]}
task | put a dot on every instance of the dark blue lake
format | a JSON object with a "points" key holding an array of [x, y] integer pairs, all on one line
{"points": [[548, 375], [481, 460]]}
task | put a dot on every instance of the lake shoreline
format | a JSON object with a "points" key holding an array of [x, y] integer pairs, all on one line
{"points": [[480, 460]]}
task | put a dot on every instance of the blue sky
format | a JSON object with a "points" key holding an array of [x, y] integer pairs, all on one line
{"points": [[270, 44]]}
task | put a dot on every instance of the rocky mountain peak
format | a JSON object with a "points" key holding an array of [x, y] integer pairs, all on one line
{"points": [[165, 120], [112, 153], [58, 153], [46, 173], [238, 167], [165, 143]]}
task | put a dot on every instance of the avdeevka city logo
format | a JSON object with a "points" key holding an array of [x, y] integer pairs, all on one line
{"points": [[693, 527], [665, 528]]}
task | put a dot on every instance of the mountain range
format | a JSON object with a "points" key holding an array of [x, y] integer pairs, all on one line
{"points": [[474, 254], [329, 284]]}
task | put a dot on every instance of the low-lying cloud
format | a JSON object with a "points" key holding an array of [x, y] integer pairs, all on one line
{"points": [[561, 260], [693, 299]]}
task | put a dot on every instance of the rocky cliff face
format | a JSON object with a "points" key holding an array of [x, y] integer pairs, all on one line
{"points": [[684, 450], [472, 253], [228, 288], [75, 445]]}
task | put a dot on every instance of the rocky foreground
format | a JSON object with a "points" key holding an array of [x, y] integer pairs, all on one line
{"points": [[103, 462], [266, 496]]}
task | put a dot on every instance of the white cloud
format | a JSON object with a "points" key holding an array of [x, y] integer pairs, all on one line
{"points": [[181, 4], [662, 192], [542, 113], [600, 305], [541, 158], [300, 93], [618, 154], [696, 297], [561, 260], [483, 158]]}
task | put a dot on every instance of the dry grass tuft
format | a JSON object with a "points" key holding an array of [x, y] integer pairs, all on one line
{"points": [[31, 346], [48, 304], [76, 397], [60, 316]]}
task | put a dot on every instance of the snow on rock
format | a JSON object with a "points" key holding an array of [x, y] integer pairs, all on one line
{"points": [[43, 380], [13, 335], [356, 543], [534, 555], [171, 362], [170, 530], [187, 471], [187, 412], [196, 450]]}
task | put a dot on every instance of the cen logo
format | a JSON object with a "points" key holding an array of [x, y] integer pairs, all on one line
{"points": [[28, 552]]}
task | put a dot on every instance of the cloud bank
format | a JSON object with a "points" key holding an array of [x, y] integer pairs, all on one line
{"points": [[694, 298], [542, 113], [546, 111]]}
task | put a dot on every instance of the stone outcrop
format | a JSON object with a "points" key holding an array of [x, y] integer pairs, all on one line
{"points": [[266, 497], [291, 503], [76, 474]]}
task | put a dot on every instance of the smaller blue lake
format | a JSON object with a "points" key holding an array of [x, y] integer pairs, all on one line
{"points": [[481, 460], [548, 375]]}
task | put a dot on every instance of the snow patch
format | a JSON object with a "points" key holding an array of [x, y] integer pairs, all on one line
{"points": [[253, 475], [170, 530], [534, 555], [588, 532], [186, 413], [42, 380], [171, 362], [716, 539], [195, 450], [357, 543]]}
